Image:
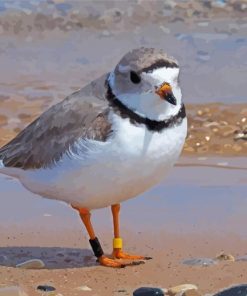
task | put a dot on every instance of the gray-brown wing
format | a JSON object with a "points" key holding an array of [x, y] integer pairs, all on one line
{"points": [[84, 114]]}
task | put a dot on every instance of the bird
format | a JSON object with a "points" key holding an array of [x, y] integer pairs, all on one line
{"points": [[107, 142]]}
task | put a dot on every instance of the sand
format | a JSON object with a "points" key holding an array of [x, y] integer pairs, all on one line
{"points": [[71, 271]]}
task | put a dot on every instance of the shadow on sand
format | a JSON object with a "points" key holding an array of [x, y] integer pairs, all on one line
{"points": [[53, 257]]}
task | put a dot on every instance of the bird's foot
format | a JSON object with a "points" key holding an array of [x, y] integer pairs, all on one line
{"points": [[105, 261], [108, 262], [119, 254]]}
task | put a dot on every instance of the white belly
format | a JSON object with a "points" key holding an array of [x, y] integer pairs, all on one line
{"points": [[130, 163]]}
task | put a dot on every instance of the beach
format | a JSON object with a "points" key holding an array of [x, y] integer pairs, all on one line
{"points": [[48, 50]]}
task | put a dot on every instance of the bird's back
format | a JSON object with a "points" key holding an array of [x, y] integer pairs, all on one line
{"points": [[41, 144]]}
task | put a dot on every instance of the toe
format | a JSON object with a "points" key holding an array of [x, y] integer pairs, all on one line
{"points": [[104, 261], [121, 255]]}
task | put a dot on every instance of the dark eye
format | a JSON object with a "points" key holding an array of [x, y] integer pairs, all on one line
{"points": [[134, 77]]}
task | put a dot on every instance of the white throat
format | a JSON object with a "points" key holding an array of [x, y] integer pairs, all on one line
{"points": [[148, 104]]}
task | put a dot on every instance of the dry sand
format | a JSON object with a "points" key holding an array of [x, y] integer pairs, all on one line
{"points": [[69, 262]]}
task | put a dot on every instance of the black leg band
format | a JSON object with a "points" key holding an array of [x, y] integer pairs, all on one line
{"points": [[95, 244]]}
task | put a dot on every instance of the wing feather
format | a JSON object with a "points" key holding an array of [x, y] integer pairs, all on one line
{"points": [[82, 115]]}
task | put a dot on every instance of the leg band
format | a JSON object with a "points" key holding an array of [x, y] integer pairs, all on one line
{"points": [[117, 243], [95, 244]]}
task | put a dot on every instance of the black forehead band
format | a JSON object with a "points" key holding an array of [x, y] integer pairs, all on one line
{"points": [[160, 64]]}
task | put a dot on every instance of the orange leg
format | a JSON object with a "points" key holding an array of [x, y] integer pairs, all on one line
{"points": [[86, 219], [117, 241]]}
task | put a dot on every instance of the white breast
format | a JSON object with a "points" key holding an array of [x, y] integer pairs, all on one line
{"points": [[131, 162]]}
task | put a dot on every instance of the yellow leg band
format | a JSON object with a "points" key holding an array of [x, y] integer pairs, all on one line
{"points": [[117, 243]]}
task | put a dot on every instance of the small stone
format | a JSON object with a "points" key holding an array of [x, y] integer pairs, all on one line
{"points": [[181, 288], [12, 291], [105, 33], [203, 24], [225, 257], [203, 56], [199, 262], [241, 136], [191, 293], [83, 288], [224, 163], [227, 130], [148, 291], [240, 290], [165, 29], [211, 124], [46, 288], [31, 264], [242, 258]]}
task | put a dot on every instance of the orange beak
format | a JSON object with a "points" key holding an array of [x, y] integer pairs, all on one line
{"points": [[165, 92]]}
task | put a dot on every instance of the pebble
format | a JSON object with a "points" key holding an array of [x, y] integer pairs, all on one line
{"points": [[242, 258], [12, 291], [165, 29], [225, 257], [181, 289], [223, 163], [199, 261], [191, 293], [148, 291], [226, 131], [83, 288], [46, 288], [203, 56], [31, 264], [241, 136], [106, 33], [239, 290]]}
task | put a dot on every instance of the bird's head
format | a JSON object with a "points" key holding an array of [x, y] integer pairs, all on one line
{"points": [[146, 81]]}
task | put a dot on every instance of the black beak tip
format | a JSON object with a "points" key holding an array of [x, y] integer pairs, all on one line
{"points": [[171, 99]]}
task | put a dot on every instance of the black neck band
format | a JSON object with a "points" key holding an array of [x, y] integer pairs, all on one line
{"points": [[152, 125]]}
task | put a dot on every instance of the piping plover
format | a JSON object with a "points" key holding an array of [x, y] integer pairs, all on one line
{"points": [[105, 143]]}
